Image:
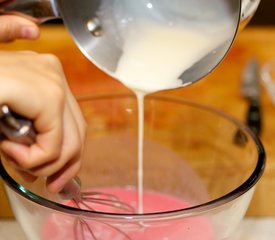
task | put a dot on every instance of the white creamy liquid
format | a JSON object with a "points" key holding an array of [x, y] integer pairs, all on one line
{"points": [[154, 56], [140, 102]]}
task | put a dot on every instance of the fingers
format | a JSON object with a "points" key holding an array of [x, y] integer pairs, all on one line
{"points": [[61, 167], [61, 164], [69, 163], [80, 120], [15, 27], [43, 96], [56, 182]]}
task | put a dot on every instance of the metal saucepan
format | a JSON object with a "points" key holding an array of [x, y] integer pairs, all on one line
{"points": [[97, 26]]}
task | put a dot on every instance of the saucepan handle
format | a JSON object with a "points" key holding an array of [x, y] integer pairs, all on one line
{"points": [[38, 10]]}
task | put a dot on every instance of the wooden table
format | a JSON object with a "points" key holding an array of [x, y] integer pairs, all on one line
{"points": [[220, 89]]}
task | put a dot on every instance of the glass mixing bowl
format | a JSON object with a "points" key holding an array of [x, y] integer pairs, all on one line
{"points": [[201, 163]]}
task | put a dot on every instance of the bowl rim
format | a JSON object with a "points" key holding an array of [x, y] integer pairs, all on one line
{"points": [[186, 212]]}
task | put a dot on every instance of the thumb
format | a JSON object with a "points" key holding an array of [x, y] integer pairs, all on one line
{"points": [[15, 27]]}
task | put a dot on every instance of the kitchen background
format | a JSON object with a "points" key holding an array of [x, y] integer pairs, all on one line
{"points": [[264, 17], [265, 14], [257, 39]]}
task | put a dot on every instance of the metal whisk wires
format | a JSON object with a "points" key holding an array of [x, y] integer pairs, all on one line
{"points": [[19, 129]]}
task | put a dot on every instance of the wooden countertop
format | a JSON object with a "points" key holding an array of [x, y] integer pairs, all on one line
{"points": [[249, 229], [220, 89]]}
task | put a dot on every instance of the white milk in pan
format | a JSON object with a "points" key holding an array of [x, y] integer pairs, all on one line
{"points": [[154, 56], [161, 40]]}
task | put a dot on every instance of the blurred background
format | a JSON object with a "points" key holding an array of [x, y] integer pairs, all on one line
{"points": [[258, 41], [265, 14]]}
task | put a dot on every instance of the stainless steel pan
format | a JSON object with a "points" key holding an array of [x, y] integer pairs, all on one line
{"points": [[97, 25]]}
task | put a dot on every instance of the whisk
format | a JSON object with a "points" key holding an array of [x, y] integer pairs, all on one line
{"points": [[19, 129]]}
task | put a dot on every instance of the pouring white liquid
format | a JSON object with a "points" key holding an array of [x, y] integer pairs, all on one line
{"points": [[155, 55], [153, 59]]}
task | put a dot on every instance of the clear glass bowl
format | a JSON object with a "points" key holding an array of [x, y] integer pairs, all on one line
{"points": [[193, 153]]}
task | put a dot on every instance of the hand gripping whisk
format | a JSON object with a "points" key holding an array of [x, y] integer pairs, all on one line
{"points": [[18, 129]]}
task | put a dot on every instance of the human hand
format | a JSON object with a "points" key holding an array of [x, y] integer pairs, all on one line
{"points": [[15, 27], [34, 86]]}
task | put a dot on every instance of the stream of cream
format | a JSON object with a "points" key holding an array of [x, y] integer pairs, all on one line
{"points": [[140, 101], [154, 56]]}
